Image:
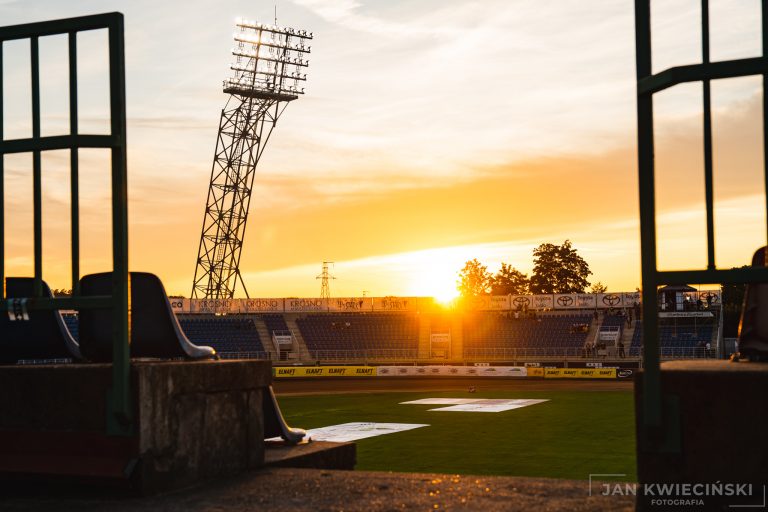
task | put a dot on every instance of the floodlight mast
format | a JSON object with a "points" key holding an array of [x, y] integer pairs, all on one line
{"points": [[266, 75]]}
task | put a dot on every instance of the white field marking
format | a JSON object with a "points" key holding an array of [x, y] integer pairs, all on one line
{"points": [[477, 404], [442, 401], [359, 430]]}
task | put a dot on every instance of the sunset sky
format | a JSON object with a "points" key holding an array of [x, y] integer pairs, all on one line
{"points": [[432, 132]]}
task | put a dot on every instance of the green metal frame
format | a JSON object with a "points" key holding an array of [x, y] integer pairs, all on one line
{"points": [[119, 420], [657, 433]]}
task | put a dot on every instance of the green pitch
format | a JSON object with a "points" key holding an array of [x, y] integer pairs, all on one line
{"points": [[574, 434]]}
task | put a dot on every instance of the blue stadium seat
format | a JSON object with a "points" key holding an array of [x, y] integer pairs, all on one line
{"points": [[155, 332], [43, 337]]}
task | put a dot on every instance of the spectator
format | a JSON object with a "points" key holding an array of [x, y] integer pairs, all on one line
{"points": [[621, 349]]}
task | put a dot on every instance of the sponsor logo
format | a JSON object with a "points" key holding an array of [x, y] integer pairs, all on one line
{"points": [[262, 304], [304, 304], [383, 371], [624, 373], [565, 301], [611, 300], [521, 301], [337, 371], [421, 370], [364, 371], [177, 304], [454, 370], [314, 371], [394, 304], [402, 370], [605, 373], [286, 371]]}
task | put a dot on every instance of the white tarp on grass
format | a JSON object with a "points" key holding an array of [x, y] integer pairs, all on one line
{"points": [[360, 430], [477, 404]]}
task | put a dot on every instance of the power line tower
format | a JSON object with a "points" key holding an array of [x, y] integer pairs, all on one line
{"points": [[266, 72], [325, 277]]}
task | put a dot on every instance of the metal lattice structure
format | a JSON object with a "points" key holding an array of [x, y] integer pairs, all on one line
{"points": [[266, 74], [325, 277]]}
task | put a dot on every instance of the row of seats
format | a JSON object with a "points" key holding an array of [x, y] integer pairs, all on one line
{"points": [[685, 336], [344, 332], [43, 334], [495, 331]]}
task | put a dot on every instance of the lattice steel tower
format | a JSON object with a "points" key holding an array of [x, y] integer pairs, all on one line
{"points": [[267, 70], [325, 277]]}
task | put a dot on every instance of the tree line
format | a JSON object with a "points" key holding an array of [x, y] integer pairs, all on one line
{"points": [[556, 269]]}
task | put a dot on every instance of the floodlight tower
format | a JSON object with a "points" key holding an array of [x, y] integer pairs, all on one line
{"points": [[325, 277], [266, 72]]}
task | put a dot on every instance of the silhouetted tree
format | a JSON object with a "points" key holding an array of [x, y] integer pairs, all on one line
{"points": [[61, 292], [474, 279], [598, 287], [509, 280], [559, 269]]}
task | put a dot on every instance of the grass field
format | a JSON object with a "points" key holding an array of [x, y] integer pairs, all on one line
{"points": [[574, 434]]}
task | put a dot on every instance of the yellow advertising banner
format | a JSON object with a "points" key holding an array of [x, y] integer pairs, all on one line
{"points": [[535, 372], [284, 372], [579, 373]]}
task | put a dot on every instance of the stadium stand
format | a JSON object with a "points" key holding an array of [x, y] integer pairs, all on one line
{"points": [[494, 333], [275, 323], [681, 340], [361, 335], [231, 337]]}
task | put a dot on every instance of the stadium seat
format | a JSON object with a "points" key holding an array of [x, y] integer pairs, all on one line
{"points": [[274, 423], [155, 332], [43, 337], [753, 327]]}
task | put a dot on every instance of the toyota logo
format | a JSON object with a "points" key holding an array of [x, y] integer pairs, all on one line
{"points": [[521, 301], [611, 300], [709, 296], [565, 300]]}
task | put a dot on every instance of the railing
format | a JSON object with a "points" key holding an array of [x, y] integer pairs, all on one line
{"points": [[364, 355], [119, 417], [245, 355], [523, 353]]}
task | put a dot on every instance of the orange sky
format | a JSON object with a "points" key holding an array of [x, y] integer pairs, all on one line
{"points": [[398, 165]]}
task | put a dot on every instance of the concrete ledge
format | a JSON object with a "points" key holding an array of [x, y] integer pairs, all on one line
{"points": [[715, 427], [315, 454], [193, 421], [306, 490]]}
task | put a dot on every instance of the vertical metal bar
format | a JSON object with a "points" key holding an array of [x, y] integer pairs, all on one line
{"points": [[120, 394], [708, 186], [74, 166], [2, 185], [764, 16], [36, 173], [652, 375]]}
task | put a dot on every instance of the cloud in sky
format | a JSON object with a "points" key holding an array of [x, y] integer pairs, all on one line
{"points": [[463, 126]]}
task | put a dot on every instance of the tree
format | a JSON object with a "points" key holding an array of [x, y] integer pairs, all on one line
{"points": [[508, 281], [61, 292], [598, 287], [474, 279], [559, 269]]}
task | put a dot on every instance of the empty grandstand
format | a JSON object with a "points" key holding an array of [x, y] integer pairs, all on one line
{"points": [[416, 330]]}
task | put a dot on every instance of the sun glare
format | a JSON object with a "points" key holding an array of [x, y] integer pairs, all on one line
{"points": [[438, 281]]}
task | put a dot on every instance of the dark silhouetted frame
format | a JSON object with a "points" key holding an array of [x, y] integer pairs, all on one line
{"points": [[660, 415], [119, 410]]}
